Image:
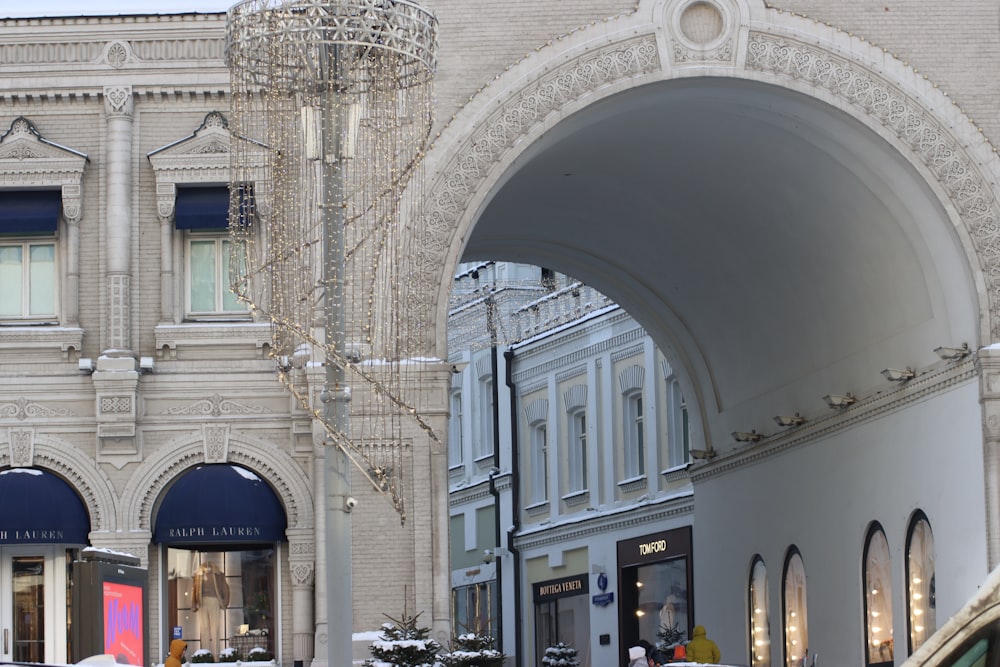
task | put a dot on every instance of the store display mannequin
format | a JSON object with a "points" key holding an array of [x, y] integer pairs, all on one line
{"points": [[209, 598]]}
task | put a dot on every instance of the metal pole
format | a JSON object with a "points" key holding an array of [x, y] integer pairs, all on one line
{"points": [[336, 467]]}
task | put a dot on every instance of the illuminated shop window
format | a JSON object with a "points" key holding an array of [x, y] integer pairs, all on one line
{"points": [[222, 600], [474, 608], [878, 598], [920, 595], [758, 616], [796, 627]]}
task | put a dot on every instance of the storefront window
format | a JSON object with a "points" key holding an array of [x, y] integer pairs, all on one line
{"points": [[222, 600], [878, 598], [662, 599], [796, 628], [656, 585], [920, 598], [562, 614], [475, 608], [759, 618]]}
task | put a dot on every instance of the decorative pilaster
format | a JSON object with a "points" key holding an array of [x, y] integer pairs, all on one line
{"points": [[118, 108], [71, 206], [166, 207], [302, 564], [988, 365], [115, 381]]}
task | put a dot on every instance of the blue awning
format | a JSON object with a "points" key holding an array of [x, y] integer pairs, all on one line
{"points": [[208, 207], [217, 505], [37, 507], [202, 208], [29, 211]]}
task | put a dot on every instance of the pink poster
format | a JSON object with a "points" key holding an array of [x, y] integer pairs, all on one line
{"points": [[123, 622]]}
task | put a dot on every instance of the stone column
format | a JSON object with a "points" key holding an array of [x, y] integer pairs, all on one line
{"points": [[118, 107], [988, 365], [71, 197]]}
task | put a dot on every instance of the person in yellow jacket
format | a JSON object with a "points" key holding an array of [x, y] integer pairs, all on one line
{"points": [[701, 648], [176, 656]]}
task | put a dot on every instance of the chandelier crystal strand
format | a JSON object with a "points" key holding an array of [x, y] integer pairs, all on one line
{"points": [[343, 85]]}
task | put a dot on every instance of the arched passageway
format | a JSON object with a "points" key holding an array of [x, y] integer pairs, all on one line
{"points": [[787, 218]]}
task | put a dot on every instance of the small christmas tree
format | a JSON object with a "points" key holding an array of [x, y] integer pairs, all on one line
{"points": [[560, 655], [403, 644], [669, 636], [472, 650]]}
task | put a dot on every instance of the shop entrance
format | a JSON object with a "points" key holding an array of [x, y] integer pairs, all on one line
{"points": [[33, 603]]}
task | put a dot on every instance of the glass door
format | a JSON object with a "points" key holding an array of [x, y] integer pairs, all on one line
{"points": [[31, 617]]}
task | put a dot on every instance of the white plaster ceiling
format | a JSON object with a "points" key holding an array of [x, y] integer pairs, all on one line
{"points": [[778, 249]]}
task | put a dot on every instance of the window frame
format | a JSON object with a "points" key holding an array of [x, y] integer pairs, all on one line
{"points": [[25, 243], [758, 604], [223, 254], [456, 438], [877, 583], [538, 489], [927, 590], [577, 481], [794, 564], [634, 434]]}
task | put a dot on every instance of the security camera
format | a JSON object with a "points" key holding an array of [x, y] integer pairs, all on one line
{"points": [[350, 502]]}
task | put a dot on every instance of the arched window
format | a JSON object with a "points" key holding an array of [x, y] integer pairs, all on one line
{"points": [[878, 598], [920, 596], [758, 616], [795, 620]]}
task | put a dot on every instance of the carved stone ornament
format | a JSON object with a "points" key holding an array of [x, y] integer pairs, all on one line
{"points": [[22, 448], [117, 54], [118, 100], [216, 443], [703, 31]]}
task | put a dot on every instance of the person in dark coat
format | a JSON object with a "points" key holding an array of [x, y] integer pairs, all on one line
{"points": [[701, 648]]}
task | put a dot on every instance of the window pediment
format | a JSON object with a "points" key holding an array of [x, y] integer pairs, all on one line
{"points": [[27, 159]]}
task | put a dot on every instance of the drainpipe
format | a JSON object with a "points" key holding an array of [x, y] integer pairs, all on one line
{"points": [[491, 325], [515, 503]]}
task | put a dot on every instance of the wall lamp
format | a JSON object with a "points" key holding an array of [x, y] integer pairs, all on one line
{"points": [[702, 454], [85, 365], [146, 364], [953, 353], [793, 420], [898, 375], [838, 401], [744, 436]]}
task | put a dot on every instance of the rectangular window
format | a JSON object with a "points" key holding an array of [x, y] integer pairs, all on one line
{"points": [[475, 608], [28, 277], [679, 430], [578, 452], [635, 445], [539, 464], [455, 427], [211, 274], [484, 445]]}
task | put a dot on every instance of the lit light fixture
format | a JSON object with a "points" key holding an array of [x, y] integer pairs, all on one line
{"points": [[898, 375], [744, 436], [953, 353], [702, 453], [838, 401], [794, 420]]}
